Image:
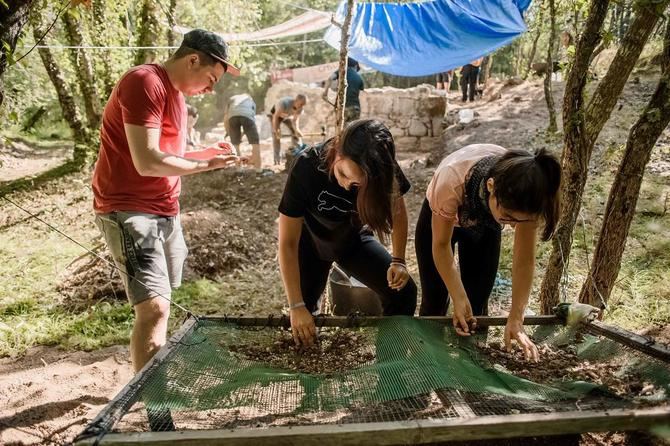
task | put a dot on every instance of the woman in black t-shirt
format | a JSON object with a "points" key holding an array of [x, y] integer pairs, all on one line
{"points": [[336, 194]]}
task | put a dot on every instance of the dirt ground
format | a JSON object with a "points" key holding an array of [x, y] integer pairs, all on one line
{"points": [[48, 395], [19, 159]]}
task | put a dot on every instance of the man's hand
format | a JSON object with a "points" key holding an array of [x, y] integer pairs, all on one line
{"points": [[397, 276], [227, 148], [464, 321], [302, 326], [514, 331], [207, 153], [221, 161]]}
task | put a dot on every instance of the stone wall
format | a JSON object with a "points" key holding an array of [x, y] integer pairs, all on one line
{"points": [[413, 115]]}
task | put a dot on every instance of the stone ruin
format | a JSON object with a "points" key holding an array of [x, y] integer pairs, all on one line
{"points": [[414, 116]]}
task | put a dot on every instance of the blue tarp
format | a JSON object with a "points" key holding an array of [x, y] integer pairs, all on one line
{"points": [[417, 39]]}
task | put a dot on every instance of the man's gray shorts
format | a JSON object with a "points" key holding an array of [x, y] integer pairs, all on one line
{"points": [[149, 248]]}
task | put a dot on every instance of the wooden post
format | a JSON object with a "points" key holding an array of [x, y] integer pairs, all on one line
{"points": [[342, 76]]}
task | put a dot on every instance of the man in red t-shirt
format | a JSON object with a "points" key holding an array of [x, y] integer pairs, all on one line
{"points": [[136, 182]]}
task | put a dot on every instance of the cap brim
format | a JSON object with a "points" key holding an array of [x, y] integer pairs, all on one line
{"points": [[231, 69]]}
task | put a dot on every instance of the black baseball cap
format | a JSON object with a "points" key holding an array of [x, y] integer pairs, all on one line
{"points": [[211, 44]]}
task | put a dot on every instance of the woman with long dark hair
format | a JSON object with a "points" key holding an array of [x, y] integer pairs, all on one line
{"points": [[337, 194], [474, 192]]}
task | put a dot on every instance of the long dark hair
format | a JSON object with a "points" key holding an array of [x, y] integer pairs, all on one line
{"points": [[369, 144], [529, 183]]}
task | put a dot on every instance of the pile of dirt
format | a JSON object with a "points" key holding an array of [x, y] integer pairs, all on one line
{"points": [[219, 245], [558, 364], [228, 219], [335, 351], [90, 278]]}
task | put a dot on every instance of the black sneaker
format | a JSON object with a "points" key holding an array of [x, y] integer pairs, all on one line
{"points": [[160, 420]]}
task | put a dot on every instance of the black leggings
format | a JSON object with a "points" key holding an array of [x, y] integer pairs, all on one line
{"points": [[469, 81], [478, 261], [368, 261]]}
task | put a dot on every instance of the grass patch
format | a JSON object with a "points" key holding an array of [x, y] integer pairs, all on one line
{"points": [[99, 326]]}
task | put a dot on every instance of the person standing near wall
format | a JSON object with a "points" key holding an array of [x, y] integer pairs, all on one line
{"points": [[355, 84], [469, 75], [240, 117]]}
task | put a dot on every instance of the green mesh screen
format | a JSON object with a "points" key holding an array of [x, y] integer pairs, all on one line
{"points": [[414, 369]]}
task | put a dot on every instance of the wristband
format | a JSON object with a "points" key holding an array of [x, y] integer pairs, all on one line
{"points": [[399, 260], [296, 305]]}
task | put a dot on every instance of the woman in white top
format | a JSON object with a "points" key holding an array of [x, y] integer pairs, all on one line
{"points": [[474, 192]]}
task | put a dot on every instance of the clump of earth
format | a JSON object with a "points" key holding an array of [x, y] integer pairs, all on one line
{"points": [[335, 350], [562, 364]]}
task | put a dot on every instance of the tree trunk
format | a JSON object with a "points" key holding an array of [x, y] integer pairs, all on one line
{"points": [[342, 75], [607, 93], [84, 68], [533, 48], [148, 31], [12, 21], [486, 69], [625, 22], [572, 160], [65, 98], [582, 127], [171, 35], [100, 38], [626, 188], [548, 94]]}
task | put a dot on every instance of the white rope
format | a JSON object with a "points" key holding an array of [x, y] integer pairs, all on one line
{"points": [[93, 47], [308, 9]]}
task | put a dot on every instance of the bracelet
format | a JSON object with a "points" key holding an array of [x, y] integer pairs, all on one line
{"points": [[399, 260], [296, 305]]}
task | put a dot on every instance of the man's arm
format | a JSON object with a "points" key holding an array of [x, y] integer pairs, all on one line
{"points": [[150, 161]]}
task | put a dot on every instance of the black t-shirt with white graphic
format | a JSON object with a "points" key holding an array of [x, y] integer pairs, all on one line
{"points": [[329, 210]]}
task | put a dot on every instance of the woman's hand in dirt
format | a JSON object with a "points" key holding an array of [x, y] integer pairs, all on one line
{"points": [[397, 276], [464, 321], [514, 331], [302, 326]]}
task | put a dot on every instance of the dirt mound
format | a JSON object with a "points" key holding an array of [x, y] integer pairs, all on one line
{"points": [[219, 244], [90, 278], [509, 115]]}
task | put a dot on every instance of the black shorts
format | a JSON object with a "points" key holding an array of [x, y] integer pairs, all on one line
{"points": [[238, 123], [443, 77]]}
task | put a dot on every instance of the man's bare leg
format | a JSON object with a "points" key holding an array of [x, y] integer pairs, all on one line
{"points": [[149, 331], [256, 155]]}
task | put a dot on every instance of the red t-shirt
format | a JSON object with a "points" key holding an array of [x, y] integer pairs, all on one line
{"points": [[144, 96]]}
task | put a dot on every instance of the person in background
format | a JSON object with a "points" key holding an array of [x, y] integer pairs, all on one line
{"points": [[443, 80], [474, 192], [192, 135], [355, 84], [287, 111], [337, 194], [240, 116], [469, 76]]}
